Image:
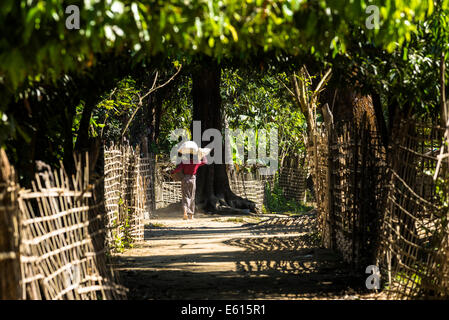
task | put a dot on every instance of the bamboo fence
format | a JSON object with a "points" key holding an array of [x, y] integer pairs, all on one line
{"points": [[318, 161], [245, 183], [253, 190], [128, 192], [382, 206], [169, 191], [57, 239], [166, 191], [414, 249], [291, 178], [357, 169]]}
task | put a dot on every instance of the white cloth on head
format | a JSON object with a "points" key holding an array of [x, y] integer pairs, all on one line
{"points": [[188, 147], [202, 152]]}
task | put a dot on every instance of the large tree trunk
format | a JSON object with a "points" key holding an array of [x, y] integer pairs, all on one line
{"points": [[213, 192], [380, 119], [69, 163], [153, 113]]}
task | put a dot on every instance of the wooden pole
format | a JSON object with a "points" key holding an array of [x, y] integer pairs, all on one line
{"points": [[9, 232]]}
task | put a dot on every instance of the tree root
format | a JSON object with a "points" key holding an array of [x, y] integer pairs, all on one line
{"points": [[231, 205]]}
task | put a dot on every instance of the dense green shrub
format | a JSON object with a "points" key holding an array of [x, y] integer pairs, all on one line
{"points": [[277, 202]]}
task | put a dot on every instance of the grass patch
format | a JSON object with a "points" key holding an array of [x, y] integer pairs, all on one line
{"points": [[278, 203], [156, 225], [255, 219], [250, 219], [293, 214], [236, 220]]}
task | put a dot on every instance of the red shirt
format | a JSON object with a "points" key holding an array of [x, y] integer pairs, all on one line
{"points": [[190, 168]]}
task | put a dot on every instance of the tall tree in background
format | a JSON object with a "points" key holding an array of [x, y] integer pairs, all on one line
{"points": [[213, 187]]}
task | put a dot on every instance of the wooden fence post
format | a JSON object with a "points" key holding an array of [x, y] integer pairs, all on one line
{"points": [[330, 190], [9, 232]]}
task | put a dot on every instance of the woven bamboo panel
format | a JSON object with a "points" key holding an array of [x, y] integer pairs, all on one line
{"points": [[385, 208], [414, 252], [166, 191], [348, 169], [171, 192], [253, 190], [357, 190], [62, 240], [147, 172], [113, 170], [128, 192], [293, 183], [318, 165], [291, 178]]}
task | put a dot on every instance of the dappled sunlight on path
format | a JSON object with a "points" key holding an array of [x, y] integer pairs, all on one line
{"points": [[216, 257]]}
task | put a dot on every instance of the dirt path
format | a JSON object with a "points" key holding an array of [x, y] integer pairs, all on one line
{"points": [[216, 257]]}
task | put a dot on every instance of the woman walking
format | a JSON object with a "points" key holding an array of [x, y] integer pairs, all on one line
{"points": [[188, 183]]}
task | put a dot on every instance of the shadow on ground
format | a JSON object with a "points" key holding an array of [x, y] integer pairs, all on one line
{"points": [[226, 261]]}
